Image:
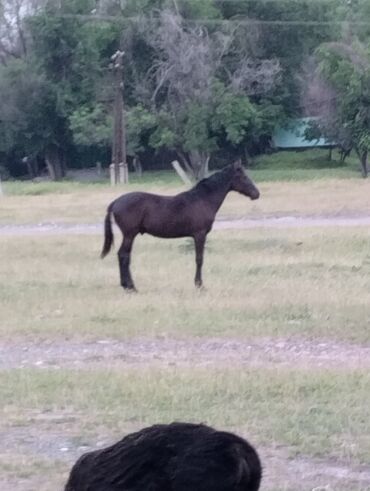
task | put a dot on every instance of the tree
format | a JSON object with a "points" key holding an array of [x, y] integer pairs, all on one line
{"points": [[56, 82], [278, 37], [193, 73], [30, 122], [202, 79], [13, 33], [345, 70]]}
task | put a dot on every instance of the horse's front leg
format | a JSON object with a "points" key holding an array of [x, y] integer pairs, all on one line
{"points": [[199, 241], [124, 256]]}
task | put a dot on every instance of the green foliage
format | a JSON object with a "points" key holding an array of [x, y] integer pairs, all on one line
{"points": [[196, 128], [347, 69], [236, 116], [140, 125], [364, 139], [91, 126], [32, 112], [206, 9], [164, 134], [60, 93]]}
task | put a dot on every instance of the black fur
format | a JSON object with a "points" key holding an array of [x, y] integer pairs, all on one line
{"points": [[174, 457]]}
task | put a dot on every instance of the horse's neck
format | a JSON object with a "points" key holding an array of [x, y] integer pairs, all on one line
{"points": [[217, 197]]}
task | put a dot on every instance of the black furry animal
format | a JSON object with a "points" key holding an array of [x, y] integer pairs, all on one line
{"points": [[174, 457]]}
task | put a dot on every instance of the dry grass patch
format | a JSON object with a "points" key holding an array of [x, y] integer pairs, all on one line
{"points": [[79, 204], [305, 282]]}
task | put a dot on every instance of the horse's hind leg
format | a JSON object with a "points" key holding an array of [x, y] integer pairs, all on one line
{"points": [[124, 254], [199, 241]]}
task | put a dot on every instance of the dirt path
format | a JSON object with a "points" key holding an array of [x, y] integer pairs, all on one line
{"points": [[301, 473], [222, 223], [159, 352]]}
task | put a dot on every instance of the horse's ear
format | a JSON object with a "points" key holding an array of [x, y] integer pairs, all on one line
{"points": [[237, 164]]}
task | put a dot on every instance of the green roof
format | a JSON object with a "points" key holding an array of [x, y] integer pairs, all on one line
{"points": [[293, 136]]}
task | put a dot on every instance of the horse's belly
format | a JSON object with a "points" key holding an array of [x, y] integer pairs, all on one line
{"points": [[167, 233], [174, 229]]}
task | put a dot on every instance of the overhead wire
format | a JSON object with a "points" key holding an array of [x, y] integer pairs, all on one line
{"points": [[206, 21]]}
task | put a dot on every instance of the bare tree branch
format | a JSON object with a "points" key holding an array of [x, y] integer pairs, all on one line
{"points": [[189, 59], [358, 60]]}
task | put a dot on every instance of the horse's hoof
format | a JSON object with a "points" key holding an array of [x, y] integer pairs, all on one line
{"points": [[130, 289]]}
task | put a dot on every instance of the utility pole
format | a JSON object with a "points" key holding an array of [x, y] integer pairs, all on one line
{"points": [[118, 168]]}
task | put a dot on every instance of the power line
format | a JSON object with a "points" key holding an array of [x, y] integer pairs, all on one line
{"points": [[256, 2], [278, 22], [204, 21]]}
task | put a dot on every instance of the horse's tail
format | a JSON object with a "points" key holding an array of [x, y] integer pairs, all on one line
{"points": [[108, 233]]}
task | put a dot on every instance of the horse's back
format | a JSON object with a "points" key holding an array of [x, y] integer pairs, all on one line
{"points": [[158, 215], [129, 209]]}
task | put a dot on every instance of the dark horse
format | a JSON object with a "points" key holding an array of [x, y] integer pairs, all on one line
{"points": [[174, 457], [188, 214]]}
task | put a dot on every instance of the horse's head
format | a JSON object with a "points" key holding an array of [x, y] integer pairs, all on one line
{"points": [[241, 183]]}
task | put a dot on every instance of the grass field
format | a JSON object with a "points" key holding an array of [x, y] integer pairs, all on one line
{"points": [[81, 203], [258, 282], [277, 346]]}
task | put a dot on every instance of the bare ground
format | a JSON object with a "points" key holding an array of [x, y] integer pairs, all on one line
{"points": [[164, 352], [221, 223]]}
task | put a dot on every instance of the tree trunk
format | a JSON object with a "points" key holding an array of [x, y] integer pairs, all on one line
{"points": [[196, 164], [55, 163], [137, 166], [199, 163], [247, 157], [364, 166], [344, 153], [185, 163], [31, 165], [181, 173]]}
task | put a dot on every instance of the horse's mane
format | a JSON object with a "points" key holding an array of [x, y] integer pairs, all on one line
{"points": [[213, 182]]}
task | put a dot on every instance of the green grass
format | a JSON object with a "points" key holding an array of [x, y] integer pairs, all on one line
{"points": [[308, 165], [258, 283], [150, 179], [312, 159], [326, 415], [30, 188], [272, 174], [279, 166]]}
